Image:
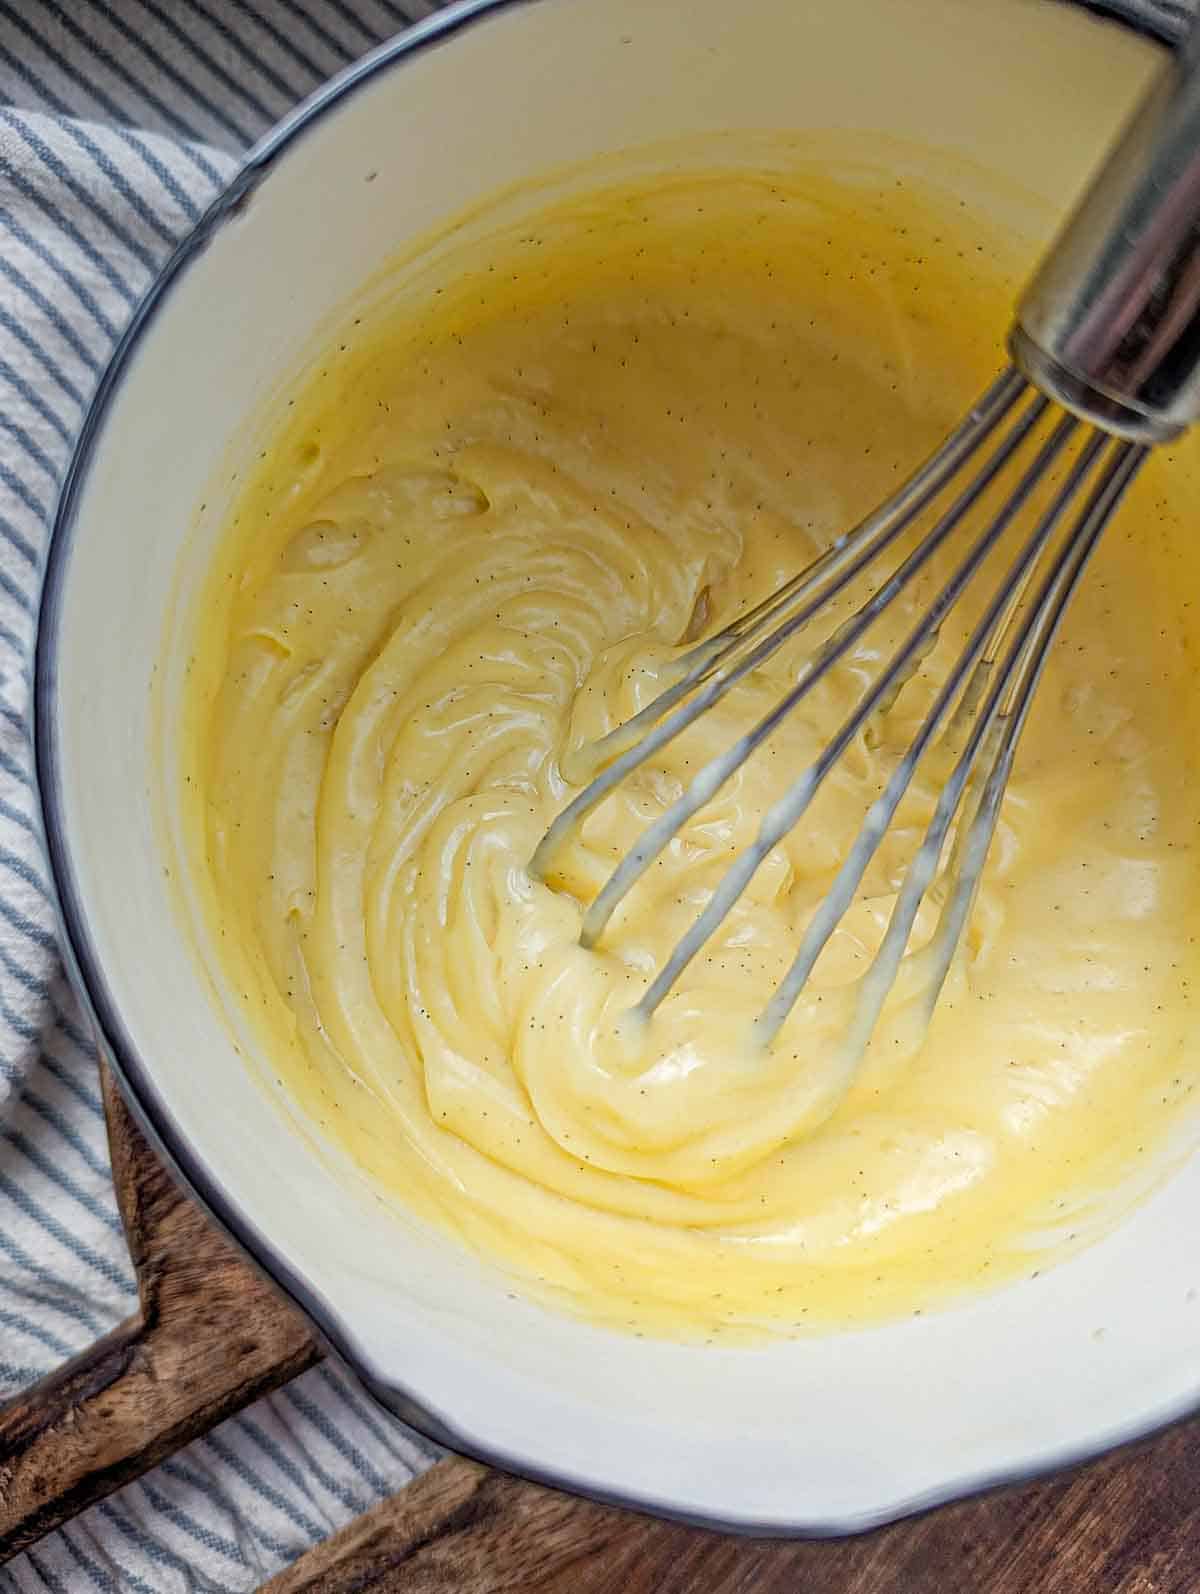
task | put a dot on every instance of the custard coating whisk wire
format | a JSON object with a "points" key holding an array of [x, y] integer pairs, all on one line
{"points": [[992, 681]]}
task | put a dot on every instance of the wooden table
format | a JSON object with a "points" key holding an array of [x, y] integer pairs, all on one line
{"points": [[212, 1335]]}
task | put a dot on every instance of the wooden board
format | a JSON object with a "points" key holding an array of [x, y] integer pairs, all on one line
{"points": [[211, 1335]]}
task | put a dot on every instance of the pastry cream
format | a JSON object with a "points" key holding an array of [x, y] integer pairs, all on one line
{"points": [[485, 528]]}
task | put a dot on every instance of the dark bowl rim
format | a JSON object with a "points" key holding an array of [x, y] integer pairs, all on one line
{"points": [[81, 956]]}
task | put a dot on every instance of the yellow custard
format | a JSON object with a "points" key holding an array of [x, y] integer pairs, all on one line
{"points": [[486, 526]]}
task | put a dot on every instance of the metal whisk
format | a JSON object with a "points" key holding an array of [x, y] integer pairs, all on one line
{"points": [[1109, 333]]}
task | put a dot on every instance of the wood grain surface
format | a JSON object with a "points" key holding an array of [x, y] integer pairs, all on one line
{"points": [[211, 1336], [1129, 1525]]}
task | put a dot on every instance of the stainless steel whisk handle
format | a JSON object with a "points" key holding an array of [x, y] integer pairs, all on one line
{"points": [[1110, 325]]}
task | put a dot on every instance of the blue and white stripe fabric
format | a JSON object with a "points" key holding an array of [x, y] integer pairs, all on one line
{"points": [[119, 121]]}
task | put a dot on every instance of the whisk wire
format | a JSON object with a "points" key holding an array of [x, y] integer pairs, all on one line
{"points": [[1010, 718], [623, 750], [975, 653], [788, 811], [1000, 722], [782, 817], [891, 518], [979, 709]]}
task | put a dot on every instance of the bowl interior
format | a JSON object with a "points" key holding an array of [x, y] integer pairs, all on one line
{"points": [[821, 1434]]}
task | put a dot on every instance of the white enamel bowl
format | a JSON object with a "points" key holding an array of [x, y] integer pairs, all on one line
{"points": [[817, 1436]]}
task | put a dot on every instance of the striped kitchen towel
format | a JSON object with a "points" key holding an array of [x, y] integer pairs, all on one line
{"points": [[119, 120]]}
